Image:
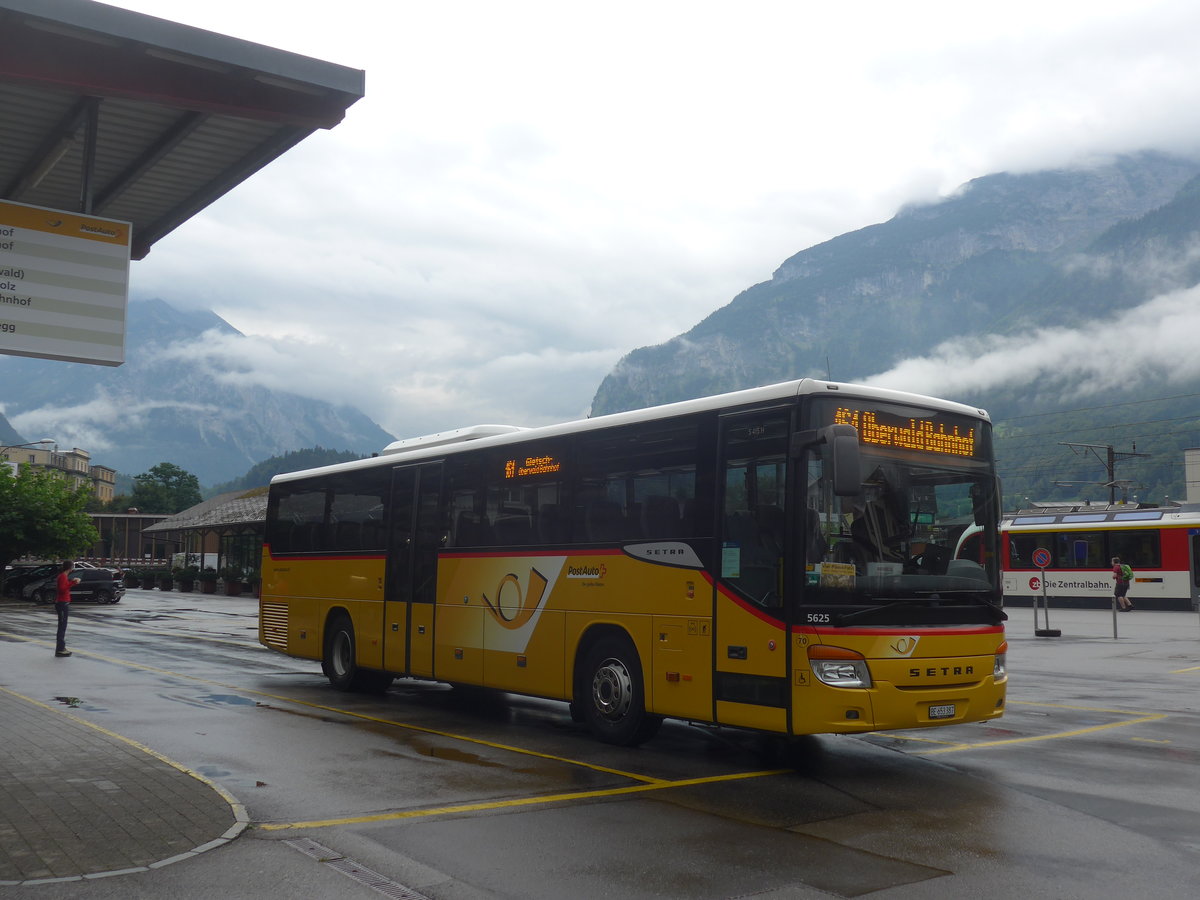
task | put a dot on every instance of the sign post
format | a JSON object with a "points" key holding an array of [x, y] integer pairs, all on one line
{"points": [[1041, 559]]}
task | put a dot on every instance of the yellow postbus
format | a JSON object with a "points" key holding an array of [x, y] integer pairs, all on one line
{"points": [[777, 559]]}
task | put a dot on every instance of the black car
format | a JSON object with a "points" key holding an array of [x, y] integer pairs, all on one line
{"points": [[20, 575], [99, 585]]}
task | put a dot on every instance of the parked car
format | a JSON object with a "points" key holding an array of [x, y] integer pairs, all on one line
{"points": [[20, 575], [99, 585]]}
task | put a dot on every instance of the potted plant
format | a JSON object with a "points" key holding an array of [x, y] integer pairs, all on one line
{"points": [[166, 581], [208, 580], [231, 576], [185, 578], [137, 577]]}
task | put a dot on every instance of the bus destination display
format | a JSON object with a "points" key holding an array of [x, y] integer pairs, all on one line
{"points": [[531, 465], [934, 434]]}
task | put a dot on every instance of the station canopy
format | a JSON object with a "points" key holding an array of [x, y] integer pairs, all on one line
{"points": [[126, 116]]}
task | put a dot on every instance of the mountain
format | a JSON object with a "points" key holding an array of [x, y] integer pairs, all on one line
{"points": [[8, 434], [1007, 256], [153, 410]]}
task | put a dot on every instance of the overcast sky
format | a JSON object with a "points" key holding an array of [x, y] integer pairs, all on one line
{"points": [[528, 191]]}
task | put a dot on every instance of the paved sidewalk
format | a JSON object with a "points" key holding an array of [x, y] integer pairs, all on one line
{"points": [[79, 802]]}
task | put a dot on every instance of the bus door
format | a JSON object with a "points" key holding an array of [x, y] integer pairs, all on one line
{"points": [[411, 581], [1194, 565], [751, 648]]}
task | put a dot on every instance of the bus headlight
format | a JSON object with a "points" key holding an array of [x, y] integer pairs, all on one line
{"points": [[1000, 668], [838, 667]]}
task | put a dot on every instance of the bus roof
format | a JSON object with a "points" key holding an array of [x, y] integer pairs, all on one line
{"points": [[479, 436]]}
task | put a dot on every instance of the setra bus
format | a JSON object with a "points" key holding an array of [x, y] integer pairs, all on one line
{"points": [[776, 559], [1160, 543]]}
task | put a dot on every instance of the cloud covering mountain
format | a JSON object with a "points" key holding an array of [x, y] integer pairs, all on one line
{"points": [[176, 399]]}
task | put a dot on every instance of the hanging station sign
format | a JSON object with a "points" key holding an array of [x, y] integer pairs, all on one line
{"points": [[64, 284]]}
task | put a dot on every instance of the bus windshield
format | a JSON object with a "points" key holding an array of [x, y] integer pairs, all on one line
{"points": [[893, 541]]}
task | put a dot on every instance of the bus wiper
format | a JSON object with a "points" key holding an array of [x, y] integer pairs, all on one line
{"points": [[918, 612], [851, 617]]}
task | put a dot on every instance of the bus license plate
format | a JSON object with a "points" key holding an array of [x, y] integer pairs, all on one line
{"points": [[942, 712]]}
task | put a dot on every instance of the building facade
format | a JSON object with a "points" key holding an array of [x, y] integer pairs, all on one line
{"points": [[74, 466]]}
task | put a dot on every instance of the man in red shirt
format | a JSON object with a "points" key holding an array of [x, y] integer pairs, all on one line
{"points": [[62, 605]]}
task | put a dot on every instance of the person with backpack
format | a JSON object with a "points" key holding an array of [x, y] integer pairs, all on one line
{"points": [[1122, 575]]}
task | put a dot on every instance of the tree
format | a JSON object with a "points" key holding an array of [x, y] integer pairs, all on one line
{"points": [[166, 488], [41, 515]]}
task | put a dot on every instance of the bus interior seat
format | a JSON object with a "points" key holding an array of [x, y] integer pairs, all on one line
{"points": [[348, 536], [374, 537], [660, 517], [816, 545], [512, 527], [966, 568], [850, 552], [605, 521], [307, 536], [552, 524], [689, 518], [771, 528], [933, 560], [470, 529]]}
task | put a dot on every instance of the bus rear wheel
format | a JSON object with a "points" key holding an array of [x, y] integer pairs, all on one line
{"points": [[611, 694], [339, 661]]}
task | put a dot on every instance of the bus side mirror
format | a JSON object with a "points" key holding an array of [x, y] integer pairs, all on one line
{"points": [[847, 471], [985, 501], [843, 456]]}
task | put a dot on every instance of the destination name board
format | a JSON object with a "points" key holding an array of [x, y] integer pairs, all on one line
{"points": [[64, 284], [896, 426], [528, 466]]}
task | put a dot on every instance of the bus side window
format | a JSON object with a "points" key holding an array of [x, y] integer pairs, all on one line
{"points": [[299, 519]]}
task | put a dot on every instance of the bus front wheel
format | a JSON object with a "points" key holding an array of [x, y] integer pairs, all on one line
{"points": [[612, 696]]}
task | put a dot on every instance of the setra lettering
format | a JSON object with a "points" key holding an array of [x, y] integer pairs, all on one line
{"points": [[935, 671]]}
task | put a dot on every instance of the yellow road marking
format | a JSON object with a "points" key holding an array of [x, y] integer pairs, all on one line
{"points": [[520, 801], [959, 746], [1151, 717]]}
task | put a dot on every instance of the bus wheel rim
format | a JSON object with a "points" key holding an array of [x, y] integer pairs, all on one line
{"points": [[341, 653], [612, 689]]}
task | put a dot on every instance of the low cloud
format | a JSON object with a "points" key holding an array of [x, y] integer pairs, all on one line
{"points": [[1154, 341], [89, 425]]}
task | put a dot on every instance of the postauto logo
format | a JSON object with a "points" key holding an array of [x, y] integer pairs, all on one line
{"points": [[598, 571]]}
